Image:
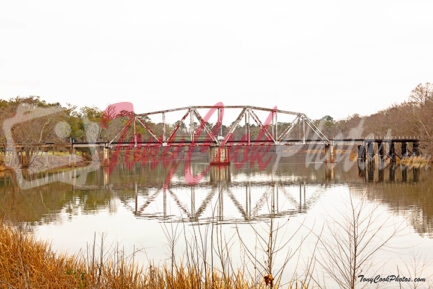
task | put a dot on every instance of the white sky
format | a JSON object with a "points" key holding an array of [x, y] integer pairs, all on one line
{"points": [[318, 57]]}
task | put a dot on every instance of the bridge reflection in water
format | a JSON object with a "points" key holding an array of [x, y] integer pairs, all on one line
{"points": [[221, 199], [370, 172], [225, 197], [225, 202]]}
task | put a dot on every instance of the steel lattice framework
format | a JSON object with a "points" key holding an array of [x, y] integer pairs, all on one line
{"points": [[203, 133]]}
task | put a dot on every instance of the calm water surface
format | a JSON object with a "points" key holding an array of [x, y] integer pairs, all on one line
{"points": [[227, 217]]}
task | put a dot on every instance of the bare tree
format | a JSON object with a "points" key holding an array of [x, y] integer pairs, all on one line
{"points": [[421, 99], [274, 245], [352, 240], [29, 133]]}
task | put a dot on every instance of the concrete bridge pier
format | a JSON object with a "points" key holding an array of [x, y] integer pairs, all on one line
{"points": [[105, 156], [219, 155], [329, 153]]}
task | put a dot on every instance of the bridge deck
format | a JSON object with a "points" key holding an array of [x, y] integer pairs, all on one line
{"points": [[348, 141]]}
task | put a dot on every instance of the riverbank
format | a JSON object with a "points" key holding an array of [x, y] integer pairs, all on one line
{"points": [[28, 263]]}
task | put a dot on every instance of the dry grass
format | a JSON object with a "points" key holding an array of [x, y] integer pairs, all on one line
{"points": [[25, 263], [416, 161], [28, 263]]}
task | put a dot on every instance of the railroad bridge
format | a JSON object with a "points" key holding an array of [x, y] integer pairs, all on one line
{"points": [[222, 127], [218, 127]]}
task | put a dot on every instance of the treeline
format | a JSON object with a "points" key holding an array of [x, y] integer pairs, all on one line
{"points": [[63, 124], [412, 118], [32, 120]]}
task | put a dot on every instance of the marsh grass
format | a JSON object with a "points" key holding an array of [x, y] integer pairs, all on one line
{"points": [[416, 161], [28, 263], [25, 263]]}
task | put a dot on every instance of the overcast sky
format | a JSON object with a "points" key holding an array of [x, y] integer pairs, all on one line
{"points": [[318, 57]]}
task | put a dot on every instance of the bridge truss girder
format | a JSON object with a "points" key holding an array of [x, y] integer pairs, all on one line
{"points": [[207, 134]]}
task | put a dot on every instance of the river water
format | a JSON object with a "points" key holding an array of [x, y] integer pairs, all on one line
{"points": [[293, 214]]}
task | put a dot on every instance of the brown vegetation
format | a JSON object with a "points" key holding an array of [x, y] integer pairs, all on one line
{"points": [[28, 263], [25, 263], [413, 118]]}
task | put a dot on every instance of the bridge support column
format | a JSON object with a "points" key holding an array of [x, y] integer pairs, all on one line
{"points": [[391, 153], [381, 152], [404, 149], [219, 155], [370, 150], [361, 153], [106, 156], [329, 153], [415, 148]]}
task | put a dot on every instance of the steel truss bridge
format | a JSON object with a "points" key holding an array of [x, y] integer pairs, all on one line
{"points": [[222, 127], [262, 126]]}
